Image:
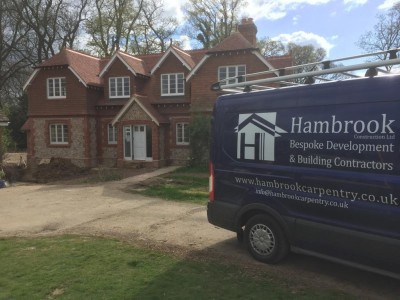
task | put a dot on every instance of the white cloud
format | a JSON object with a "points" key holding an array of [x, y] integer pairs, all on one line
{"points": [[174, 9], [277, 9], [388, 4], [305, 38], [186, 42], [350, 4]]}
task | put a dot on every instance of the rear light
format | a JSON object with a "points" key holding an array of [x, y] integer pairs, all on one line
{"points": [[211, 182]]}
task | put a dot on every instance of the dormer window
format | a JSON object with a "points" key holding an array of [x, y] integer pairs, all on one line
{"points": [[172, 84], [56, 88], [231, 71], [119, 87]]}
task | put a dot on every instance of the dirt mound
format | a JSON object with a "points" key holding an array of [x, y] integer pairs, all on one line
{"points": [[57, 169]]}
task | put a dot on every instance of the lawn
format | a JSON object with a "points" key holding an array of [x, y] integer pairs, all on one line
{"points": [[185, 185], [72, 267]]}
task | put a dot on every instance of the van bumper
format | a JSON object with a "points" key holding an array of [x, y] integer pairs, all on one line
{"points": [[222, 214]]}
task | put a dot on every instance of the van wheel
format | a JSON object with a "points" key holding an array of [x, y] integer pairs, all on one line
{"points": [[265, 239]]}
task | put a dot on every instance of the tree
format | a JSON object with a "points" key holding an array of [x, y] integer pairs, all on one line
{"points": [[155, 29], [211, 21], [52, 24], [31, 31], [385, 35], [200, 128], [111, 24], [269, 47]]}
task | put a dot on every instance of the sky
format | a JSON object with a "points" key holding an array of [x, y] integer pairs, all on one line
{"points": [[335, 25]]}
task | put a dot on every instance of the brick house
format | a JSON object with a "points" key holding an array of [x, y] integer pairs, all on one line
{"points": [[125, 108]]}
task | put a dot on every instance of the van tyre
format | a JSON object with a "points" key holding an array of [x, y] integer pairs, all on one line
{"points": [[265, 239]]}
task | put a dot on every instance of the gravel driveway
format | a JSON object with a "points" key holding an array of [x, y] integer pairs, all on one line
{"points": [[182, 229]]}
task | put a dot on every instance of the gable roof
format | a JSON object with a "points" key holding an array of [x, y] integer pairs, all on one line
{"points": [[184, 58], [134, 64], [85, 67], [145, 106]]}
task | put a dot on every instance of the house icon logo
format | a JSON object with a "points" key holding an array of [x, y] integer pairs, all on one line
{"points": [[256, 135]]}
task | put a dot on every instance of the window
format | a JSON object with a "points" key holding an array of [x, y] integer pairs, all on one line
{"points": [[231, 71], [182, 133], [58, 134], [112, 134], [172, 84], [56, 88], [119, 87]]}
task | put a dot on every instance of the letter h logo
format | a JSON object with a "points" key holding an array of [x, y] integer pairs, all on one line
{"points": [[256, 136]]}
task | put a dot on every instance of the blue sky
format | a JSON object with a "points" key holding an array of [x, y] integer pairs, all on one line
{"points": [[335, 25]]}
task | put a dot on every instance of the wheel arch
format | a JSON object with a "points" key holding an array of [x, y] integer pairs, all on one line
{"points": [[255, 209]]}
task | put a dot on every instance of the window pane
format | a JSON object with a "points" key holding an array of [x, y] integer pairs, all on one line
{"points": [[119, 86], [65, 133], [63, 89], [112, 87], [50, 87], [126, 87]]}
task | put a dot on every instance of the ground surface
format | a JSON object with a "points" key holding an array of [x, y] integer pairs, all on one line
{"points": [[108, 209]]}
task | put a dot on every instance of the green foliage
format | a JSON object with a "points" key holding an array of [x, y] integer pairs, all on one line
{"points": [[200, 127], [94, 268], [17, 115]]}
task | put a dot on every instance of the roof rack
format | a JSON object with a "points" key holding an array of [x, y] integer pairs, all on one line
{"points": [[310, 72]]}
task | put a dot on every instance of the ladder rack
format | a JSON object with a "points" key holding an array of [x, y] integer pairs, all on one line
{"points": [[310, 72]]}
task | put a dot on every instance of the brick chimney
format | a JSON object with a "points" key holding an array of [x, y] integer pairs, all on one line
{"points": [[249, 30]]}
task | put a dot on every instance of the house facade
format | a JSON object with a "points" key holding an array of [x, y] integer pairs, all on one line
{"points": [[128, 109]]}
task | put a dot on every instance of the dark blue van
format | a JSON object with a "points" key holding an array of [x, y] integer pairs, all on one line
{"points": [[311, 169]]}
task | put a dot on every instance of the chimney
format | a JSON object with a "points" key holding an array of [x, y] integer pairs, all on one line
{"points": [[249, 30]]}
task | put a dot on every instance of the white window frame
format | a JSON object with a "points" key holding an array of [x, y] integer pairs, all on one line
{"points": [[116, 91], [172, 84], [58, 137], [112, 134], [231, 71], [183, 135], [58, 90]]}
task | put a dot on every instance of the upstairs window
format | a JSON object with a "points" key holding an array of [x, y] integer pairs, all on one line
{"points": [[119, 87], [56, 88], [58, 134], [182, 134], [172, 84], [112, 134], [231, 71]]}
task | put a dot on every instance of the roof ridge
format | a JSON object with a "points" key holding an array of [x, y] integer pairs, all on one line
{"points": [[130, 55], [81, 53]]}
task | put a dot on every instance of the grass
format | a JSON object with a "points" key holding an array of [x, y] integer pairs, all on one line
{"points": [[71, 267], [185, 184]]}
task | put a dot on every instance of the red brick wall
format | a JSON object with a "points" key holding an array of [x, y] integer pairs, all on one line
{"points": [[202, 97], [75, 102], [153, 88]]}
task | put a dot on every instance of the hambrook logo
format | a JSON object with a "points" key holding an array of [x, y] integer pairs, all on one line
{"points": [[256, 135]]}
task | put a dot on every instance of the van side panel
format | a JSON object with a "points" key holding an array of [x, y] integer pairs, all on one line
{"points": [[324, 157]]}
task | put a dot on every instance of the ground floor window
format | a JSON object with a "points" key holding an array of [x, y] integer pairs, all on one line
{"points": [[182, 134], [58, 134]]}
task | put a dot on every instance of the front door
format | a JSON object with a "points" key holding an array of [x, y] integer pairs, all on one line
{"points": [[139, 142], [135, 146]]}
